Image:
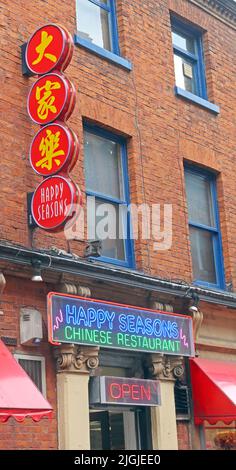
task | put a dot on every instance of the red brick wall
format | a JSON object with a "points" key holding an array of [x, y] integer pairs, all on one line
{"points": [[183, 431], [140, 104]]}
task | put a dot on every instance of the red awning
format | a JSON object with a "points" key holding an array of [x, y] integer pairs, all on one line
{"points": [[214, 390], [19, 397]]}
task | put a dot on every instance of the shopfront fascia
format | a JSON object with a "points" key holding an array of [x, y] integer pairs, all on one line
{"points": [[75, 364], [83, 332]]}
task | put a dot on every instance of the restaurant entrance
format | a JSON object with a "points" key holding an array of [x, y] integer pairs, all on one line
{"points": [[118, 429]]}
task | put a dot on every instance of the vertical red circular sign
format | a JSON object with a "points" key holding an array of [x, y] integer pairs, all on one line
{"points": [[53, 202], [49, 48], [51, 97], [54, 148]]}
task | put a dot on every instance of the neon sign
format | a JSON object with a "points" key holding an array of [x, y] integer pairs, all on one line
{"points": [[77, 320], [119, 390]]}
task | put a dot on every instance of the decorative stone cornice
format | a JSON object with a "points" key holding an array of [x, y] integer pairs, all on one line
{"points": [[76, 359], [165, 367], [197, 317], [2, 283], [83, 291], [224, 10], [74, 289]]}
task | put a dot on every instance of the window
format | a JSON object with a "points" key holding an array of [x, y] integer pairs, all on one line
{"points": [[96, 23], [106, 178], [188, 59], [204, 228], [34, 366]]}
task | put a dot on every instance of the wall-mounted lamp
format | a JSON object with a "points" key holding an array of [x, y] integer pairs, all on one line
{"points": [[194, 304], [37, 266], [194, 299]]}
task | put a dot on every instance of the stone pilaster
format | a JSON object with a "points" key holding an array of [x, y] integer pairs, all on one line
{"points": [[164, 430], [74, 364]]}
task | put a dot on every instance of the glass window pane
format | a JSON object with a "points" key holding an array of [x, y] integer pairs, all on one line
{"points": [[202, 255], [103, 166], [199, 199], [185, 42], [117, 431], [34, 370], [96, 435], [184, 74], [93, 23], [107, 228]]}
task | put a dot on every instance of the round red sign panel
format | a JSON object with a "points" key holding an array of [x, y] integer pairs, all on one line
{"points": [[53, 202], [54, 148], [51, 97], [49, 48]]}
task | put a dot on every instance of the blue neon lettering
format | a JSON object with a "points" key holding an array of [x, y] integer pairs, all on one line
{"points": [[71, 315], [157, 327], [166, 329], [101, 317], [131, 323], [123, 323], [140, 325], [175, 330], [148, 326], [110, 318], [82, 317], [92, 316]]}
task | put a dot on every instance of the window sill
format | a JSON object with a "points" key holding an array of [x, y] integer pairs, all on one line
{"points": [[99, 51], [197, 100], [111, 261], [211, 287]]}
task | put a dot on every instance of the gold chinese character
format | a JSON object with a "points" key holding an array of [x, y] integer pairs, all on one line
{"points": [[47, 148], [46, 39], [46, 101]]}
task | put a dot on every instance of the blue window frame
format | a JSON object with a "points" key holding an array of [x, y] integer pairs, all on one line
{"points": [[97, 25], [106, 179], [204, 228], [188, 59]]}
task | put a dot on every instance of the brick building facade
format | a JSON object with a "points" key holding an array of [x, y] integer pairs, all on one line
{"points": [[129, 94]]}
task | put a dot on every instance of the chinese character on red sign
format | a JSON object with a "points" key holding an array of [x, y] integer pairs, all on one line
{"points": [[51, 97], [54, 148], [49, 48], [53, 202]]}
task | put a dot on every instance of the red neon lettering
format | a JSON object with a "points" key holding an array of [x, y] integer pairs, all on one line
{"points": [[146, 392], [135, 392], [112, 388], [125, 390]]}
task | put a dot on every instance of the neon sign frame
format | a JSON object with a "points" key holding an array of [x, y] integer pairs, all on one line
{"points": [[92, 322]]}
